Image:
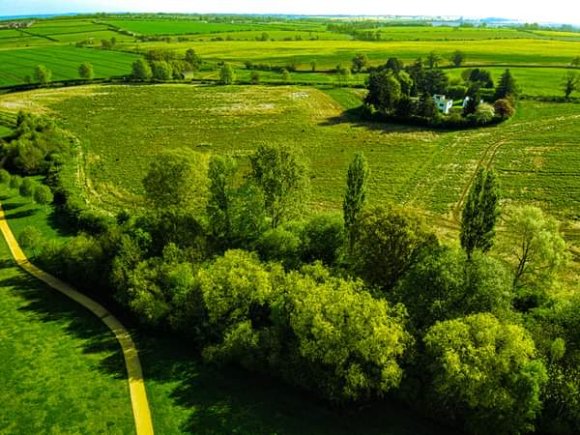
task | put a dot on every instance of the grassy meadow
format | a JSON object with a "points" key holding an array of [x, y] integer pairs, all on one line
{"points": [[534, 153]]}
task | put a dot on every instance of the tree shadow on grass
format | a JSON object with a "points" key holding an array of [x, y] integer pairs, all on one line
{"points": [[50, 306], [356, 118], [11, 205], [231, 400], [21, 214]]}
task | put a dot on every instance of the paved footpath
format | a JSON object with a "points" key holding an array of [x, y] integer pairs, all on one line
{"points": [[139, 403]]}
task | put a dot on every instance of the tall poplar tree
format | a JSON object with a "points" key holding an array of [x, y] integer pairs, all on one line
{"points": [[356, 191], [480, 214]]}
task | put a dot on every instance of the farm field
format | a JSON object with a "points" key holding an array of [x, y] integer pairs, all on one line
{"points": [[62, 61], [537, 162], [328, 54]]}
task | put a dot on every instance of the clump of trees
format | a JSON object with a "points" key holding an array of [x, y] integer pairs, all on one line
{"points": [[406, 94], [164, 65]]}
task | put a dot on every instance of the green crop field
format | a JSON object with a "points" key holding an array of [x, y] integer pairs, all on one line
{"points": [[421, 168], [536, 82], [62, 61], [328, 54], [422, 33]]}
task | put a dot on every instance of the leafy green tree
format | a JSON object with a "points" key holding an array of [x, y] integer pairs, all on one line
{"points": [[177, 179], [351, 344], [484, 113], [227, 74], [427, 107], [480, 214], [535, 249], [323, 237], [27, 187], [433, 60], [570, 84], [504, 108], [285, 75], [221, 174], [255, 77], [384, 91], [507, 87], [193, 59], [15, 181], [387, 242], [395, 64], [480, 77], [359, 63], [42, 194], [282, 177], [161, 70], [86, 71], [488, 369], [443, 284], [141, 70], [355, 195], [457, 58], [406, 83], [42, 75], [4, 176], [435, 81], [343, 75], [31, 238]]}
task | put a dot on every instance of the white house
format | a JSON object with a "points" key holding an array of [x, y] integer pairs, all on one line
{"points": [[442, 103]]}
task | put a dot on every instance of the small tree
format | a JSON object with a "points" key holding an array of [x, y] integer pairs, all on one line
{"points": [[162, 70], [281, 176], [4, 176], [86, 71], [359, 63], [42, 75], [480, 214], [570, 84], [27, 188], [457, 58], [355, 195], [504, 109], [507, 87], [313, 66], [575, 62], [536, 248], [343, 76], [227, 75], [285, 75], [193, 59], [255, 77], [394, 64], [433, 60], [141, 70], [42, 194]]}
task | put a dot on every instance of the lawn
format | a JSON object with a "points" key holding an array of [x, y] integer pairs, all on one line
{"points": [[63, 61], [61, 370]]}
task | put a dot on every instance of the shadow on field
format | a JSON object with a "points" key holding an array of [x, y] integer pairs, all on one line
{"points": [[232, 400], [356, 118], [50, 306]]}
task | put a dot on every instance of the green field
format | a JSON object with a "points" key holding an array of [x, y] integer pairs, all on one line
{"points": [[537, 162], [61, 371], [62, 61]]}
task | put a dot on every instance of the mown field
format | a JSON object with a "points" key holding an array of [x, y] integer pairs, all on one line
{"points": [[535, 153], [61, 370]]}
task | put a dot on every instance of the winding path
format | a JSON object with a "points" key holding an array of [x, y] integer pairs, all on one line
{"points": [[139, 402]]}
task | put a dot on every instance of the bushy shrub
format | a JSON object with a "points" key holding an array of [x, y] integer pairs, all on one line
{"points": [[26, 188], [504, 108], [322, 238], [42, 194], [280, 244], [4, 176], [484, 114], [15, 181]]}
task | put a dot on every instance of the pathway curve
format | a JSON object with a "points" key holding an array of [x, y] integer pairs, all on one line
{"points": [[139, 403]]}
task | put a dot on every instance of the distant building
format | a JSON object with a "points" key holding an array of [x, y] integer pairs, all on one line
{"points": [[442, 103]]}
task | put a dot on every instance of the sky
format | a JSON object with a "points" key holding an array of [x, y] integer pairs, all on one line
{"points": [[562, 11]]}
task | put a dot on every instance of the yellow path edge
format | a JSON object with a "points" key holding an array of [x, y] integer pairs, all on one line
{"points": [[139, 402]]}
